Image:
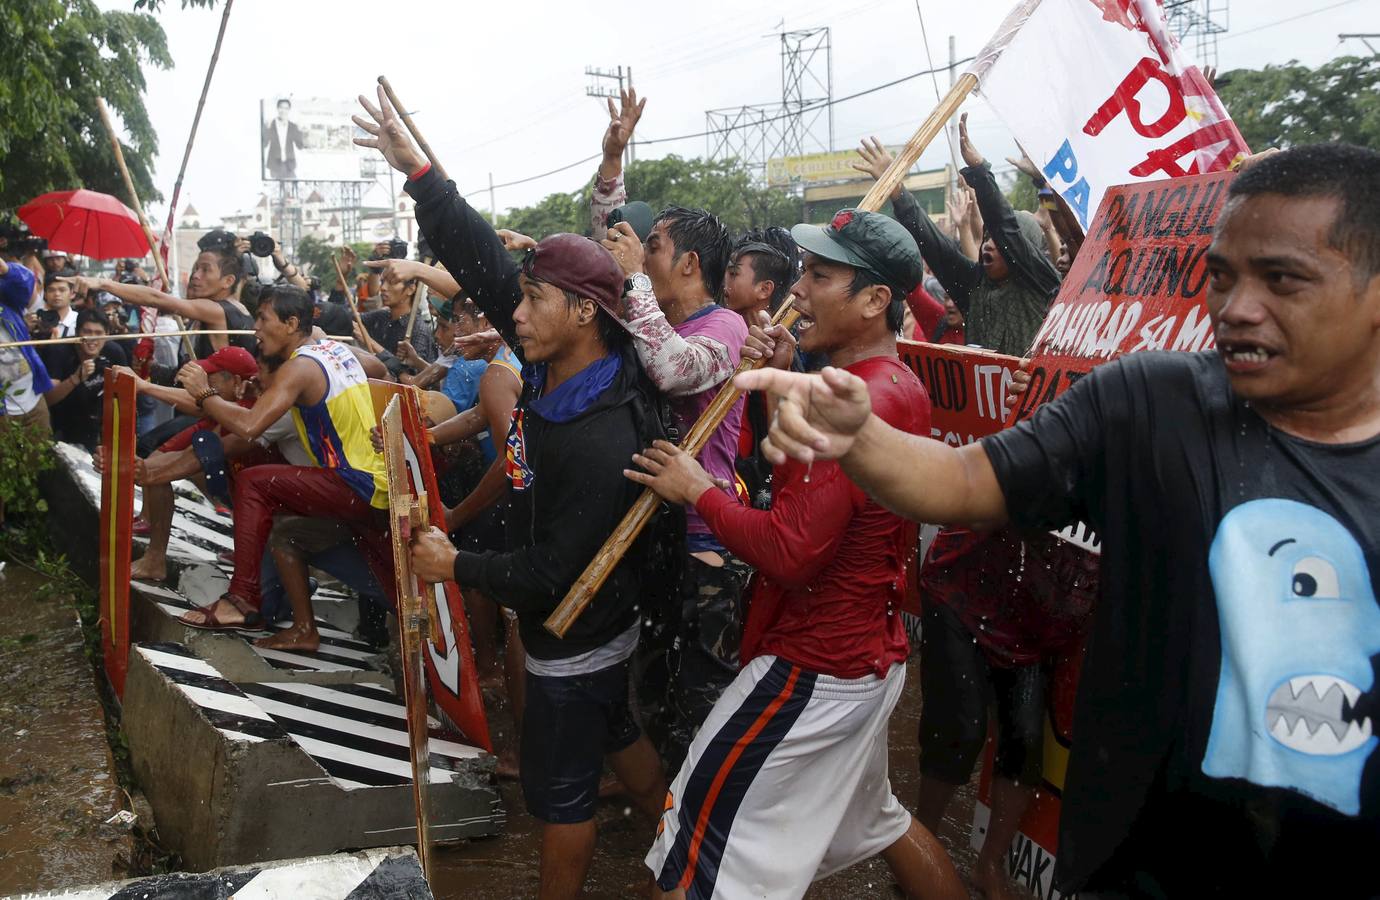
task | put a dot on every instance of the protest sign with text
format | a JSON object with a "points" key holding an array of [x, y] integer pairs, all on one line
{"points": [[1139, 283]]}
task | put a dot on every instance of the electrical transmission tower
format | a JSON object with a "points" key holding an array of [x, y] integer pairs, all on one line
{"points": [[803, 122], [1198, 22]]}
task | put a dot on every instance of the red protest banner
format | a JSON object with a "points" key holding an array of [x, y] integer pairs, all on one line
{"points": [[117, 516], [967, 388], [452, 680], [1139, 283]]}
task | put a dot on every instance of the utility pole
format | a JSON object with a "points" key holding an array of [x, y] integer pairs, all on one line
{"points": [[1363, 38], [596, 88]]}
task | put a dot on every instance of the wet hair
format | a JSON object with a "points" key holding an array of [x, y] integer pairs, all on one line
{"points": [[895, 311], [775, 257], [1346, 172], [227, 260], [86, 316], [706, 235], [289, 300]]}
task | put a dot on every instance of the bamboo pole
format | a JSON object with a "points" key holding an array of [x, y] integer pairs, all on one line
{"points": [[139, 211], [637, 517], [196, 121], [137, 335], [412, 129], [933, 124], [354, 300]]}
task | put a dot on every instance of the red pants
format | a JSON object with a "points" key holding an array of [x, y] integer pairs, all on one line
{"points": [[261, 492]]}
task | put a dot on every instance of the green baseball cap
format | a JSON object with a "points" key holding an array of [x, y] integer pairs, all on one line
{"points": [[867, 240]]}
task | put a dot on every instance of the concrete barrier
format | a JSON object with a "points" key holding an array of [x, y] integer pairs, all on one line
{"points": [[382, 874], [258, 771]]}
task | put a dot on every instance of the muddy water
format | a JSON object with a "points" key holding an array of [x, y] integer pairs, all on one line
{"points": [[57, 783], [506, 866]]}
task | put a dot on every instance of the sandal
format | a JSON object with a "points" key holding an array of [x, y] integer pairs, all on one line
{"points": [[209, 622]]}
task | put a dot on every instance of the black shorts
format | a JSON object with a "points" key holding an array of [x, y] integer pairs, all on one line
{"points": [[569, 725], [957, 683]]}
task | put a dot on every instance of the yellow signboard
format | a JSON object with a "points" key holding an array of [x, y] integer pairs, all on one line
{"points": [[814, 168]]}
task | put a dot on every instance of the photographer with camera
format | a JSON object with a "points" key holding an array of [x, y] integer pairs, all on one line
{"points": [[264, 247], [23, 377], [78, 372], [210, 296]]}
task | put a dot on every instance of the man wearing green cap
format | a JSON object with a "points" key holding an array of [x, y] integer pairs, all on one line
{"points": [[786, 781]]}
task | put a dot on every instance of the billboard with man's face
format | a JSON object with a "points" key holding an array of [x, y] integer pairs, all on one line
{"points": [[307, 139]]}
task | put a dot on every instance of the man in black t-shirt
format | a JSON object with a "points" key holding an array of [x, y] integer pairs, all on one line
{"points": [[1224, 726]]}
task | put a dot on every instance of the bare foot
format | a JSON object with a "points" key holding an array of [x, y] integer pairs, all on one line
{"points": [[146, 568], [297, 637], [610, 786], [993, 884]]}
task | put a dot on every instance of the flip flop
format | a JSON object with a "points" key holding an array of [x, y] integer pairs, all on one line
{"points": [[209, 622]]}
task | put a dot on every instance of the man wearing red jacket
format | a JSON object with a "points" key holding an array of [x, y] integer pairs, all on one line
{"points": [[786, 781]]}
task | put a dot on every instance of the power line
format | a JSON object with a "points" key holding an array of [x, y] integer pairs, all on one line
{"points": [[1304, 15], [685, 137]]}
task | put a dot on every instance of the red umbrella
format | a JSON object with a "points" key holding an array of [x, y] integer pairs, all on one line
{"points": [[86, 223]]}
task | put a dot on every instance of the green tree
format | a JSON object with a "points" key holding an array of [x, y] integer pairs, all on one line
{"points": [[56, 58], [724, 187], [1284, 106]]}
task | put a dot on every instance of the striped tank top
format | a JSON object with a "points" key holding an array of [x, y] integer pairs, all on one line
{"points": [[335, 430]]}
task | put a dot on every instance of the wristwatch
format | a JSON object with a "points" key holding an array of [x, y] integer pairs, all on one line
{"points": [[637, 281]]}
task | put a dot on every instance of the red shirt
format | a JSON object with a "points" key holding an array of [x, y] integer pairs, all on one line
{"points": [[928, 313], [831, 562]]}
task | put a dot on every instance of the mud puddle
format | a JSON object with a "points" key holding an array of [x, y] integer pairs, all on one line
{"points": [[57, 781]]}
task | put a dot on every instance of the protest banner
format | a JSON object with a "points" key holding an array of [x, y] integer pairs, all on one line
{"points": [[1139, 283], [1128, 106], [967, 388], [451, 677]]}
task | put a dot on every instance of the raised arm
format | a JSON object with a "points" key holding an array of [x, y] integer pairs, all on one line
{"points": [[460, 237], [1027, 260], [679, 366], [609, 192]]}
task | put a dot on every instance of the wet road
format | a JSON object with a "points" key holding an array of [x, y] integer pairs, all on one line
{"points": [[57, 783], [506, 866]]}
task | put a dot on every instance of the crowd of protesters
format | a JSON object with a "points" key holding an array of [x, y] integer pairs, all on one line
{"points": [[564, 369]]}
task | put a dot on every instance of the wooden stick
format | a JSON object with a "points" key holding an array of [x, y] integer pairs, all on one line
{"points": [[409, 516], [137, 335], [139, 211], [196, 122], [412, 129], [933, 124], [637, 517]]}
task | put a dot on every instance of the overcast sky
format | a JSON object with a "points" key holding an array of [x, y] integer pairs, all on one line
{"points": [[500, 87]]}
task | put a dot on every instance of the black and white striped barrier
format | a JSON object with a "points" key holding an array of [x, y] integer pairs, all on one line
{"points": [[391, 873], [238, 772]]}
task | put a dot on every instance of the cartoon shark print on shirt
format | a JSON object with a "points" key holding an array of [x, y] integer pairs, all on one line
{"points": [[1299, 626]]}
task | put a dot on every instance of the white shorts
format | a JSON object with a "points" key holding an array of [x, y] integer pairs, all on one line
{"points": [[786, 782]]}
